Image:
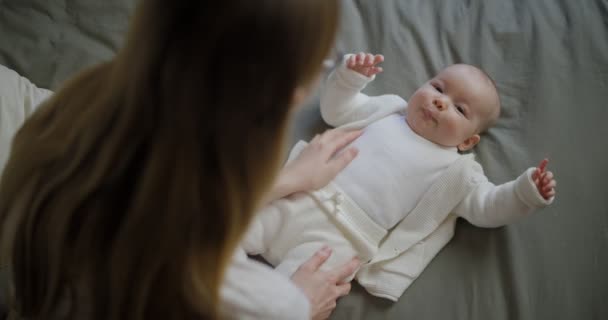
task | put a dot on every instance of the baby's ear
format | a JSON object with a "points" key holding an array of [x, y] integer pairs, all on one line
{"points": [[469, 143]]}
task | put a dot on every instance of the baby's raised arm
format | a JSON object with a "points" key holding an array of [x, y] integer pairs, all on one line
{"points": [[341, 99], [490, 205]]}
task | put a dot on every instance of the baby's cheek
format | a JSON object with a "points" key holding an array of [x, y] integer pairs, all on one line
{"points": [[420, 96], [452, 134]]}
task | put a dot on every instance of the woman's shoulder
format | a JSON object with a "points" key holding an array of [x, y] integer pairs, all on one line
{"points": [[253, 290]]}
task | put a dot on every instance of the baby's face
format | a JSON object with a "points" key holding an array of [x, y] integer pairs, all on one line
{"points": [[453, 106]]}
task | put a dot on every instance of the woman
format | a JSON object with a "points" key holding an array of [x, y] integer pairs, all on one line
{"points": [[127, 192]]}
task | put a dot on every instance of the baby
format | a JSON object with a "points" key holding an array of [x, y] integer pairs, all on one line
{"points": [[396, 204]]}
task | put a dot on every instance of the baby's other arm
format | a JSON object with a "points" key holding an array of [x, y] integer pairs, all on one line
{"points": [[490, 206], [341, 99]]}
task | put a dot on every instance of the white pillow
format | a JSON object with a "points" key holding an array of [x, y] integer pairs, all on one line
{"points": [[18, 99]]}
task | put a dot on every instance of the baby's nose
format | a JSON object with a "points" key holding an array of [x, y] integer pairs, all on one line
{"points": [[439, 104]]}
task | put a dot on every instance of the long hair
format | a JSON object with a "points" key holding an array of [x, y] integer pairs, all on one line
{"points": [[126, 193]]}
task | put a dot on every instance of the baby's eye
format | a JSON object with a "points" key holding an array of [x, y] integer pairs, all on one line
{"points": [[437, 88], [460, 109]]}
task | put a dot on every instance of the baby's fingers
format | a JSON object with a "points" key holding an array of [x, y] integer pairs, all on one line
{"points": [[537, 178], [549, 186], [376, 70], [360, 58], [378, 58], [543, 165], [352, 61], [548, 176], [369, 60], [549, 194]]}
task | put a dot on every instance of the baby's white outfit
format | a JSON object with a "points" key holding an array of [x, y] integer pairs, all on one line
{"points": [[394, 206], [394, 168]]}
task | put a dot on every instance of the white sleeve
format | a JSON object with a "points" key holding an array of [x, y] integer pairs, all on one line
{"points": [[490, 206], [19, 98], [342, 101], [252, 290]]}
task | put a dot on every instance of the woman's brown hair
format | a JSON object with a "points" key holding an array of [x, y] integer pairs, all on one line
{"points": [[127, 192]]}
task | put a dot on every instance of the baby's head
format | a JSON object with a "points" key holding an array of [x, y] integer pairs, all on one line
{"points": [[454, 107]]}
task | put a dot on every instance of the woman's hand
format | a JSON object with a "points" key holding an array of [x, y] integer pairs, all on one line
{"points": [[317, 164], [323, 288]]}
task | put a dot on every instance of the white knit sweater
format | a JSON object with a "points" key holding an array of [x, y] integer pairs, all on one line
{"points": [[404, 166]]}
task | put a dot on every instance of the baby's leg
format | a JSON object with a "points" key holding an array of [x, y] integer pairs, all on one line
{"points": [[266, 230], [291, 230], [305, 231], [342, 252]]}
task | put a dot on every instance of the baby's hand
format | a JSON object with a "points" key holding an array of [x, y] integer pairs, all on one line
{"points": [[365, 63], [544, 180]]}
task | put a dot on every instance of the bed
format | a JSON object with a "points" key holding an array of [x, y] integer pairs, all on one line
{"points": [[549, 59]]}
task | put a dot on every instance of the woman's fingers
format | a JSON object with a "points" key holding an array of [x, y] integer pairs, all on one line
{"points": [[321, 287], [319, 162], [330, 135], [346, 269], [342, 160], [324, 315], [315, 262], [316, 138], [343, 289], [337, 139]]}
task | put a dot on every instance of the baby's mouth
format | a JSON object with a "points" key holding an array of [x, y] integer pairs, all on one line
{"points": [[428, 115]]}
